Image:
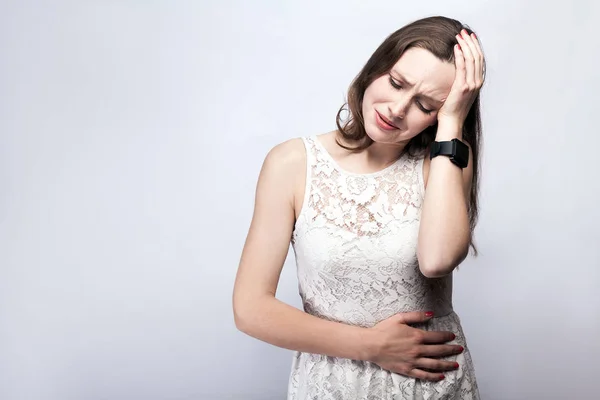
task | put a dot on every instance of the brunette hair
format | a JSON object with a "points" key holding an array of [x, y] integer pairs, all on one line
{"points": [[437, 35]]}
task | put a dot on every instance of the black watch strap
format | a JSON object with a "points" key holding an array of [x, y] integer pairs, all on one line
{"points": [[457, 151]]}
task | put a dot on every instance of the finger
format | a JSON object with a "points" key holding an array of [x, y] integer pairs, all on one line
{"points": [[435, 337], [469, 61], [480, 56], [425, 376], [459, 60], [414, 317], [436, 365], [441, 350], [475, 54]]}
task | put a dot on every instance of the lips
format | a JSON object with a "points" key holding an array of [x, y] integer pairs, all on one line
{"points": [[384, 123]]}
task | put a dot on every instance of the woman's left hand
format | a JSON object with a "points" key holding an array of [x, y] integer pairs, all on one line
{"points": [[468, 80]]}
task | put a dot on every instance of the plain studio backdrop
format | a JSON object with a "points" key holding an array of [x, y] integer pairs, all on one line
{"points": [[131, 138]]}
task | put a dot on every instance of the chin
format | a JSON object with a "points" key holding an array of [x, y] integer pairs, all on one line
{"points": [[379, 135]]}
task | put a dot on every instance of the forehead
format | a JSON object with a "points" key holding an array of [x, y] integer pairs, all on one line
{"points": [[419, 66]]}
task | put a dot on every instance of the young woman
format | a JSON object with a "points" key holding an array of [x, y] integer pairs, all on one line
{"points": [[379, 212]]}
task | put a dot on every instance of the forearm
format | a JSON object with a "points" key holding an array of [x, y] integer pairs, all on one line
{"points": [[272, 321], [444, 233]]}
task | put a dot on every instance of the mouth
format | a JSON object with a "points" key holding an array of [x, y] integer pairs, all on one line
{"points": [[384, 123]]}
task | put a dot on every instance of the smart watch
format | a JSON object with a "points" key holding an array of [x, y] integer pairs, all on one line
{"points": [[457, 151]]}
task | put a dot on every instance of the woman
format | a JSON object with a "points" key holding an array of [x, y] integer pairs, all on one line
{"points": [[379, 212]]}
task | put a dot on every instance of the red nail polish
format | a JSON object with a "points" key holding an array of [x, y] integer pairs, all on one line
{"points": [[474, 37], [429, 314], [456, 365], [459, 46], [442, 377], [462, 349]]}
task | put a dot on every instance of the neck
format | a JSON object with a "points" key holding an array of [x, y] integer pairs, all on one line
{"points": [[378, 155], [384, 153]]}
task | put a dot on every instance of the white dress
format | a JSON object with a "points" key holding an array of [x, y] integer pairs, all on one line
{"points": [[355, 245]]}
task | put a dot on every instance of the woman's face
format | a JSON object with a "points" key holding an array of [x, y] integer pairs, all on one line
{"points": [[400, 104]]}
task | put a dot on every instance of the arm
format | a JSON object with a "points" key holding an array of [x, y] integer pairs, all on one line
{"points": [[392, 343], [256, 310], [444, 233]]}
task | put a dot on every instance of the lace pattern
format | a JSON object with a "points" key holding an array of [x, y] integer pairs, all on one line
{"points": [[361, 203], [355, 245]]}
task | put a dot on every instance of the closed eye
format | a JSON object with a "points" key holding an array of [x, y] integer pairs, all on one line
{"points": [[394, 84], [398, 86], [425, 110]]}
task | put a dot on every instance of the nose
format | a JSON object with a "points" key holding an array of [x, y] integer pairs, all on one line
{"points": [[398, 107]]}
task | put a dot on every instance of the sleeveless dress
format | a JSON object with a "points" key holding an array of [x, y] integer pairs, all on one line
{"points": [[355, 244]]}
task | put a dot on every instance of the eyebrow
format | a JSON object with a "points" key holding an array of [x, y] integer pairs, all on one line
{"points": [[402, 78]]}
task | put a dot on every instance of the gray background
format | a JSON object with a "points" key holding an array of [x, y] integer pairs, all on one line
{"points": [[131, 137]]}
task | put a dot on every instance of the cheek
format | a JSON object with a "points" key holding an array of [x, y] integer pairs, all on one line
{"points": [[420, 121], [371, 97], [430, 119], [377, 91]]}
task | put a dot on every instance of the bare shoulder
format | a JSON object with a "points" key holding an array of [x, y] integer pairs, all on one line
{"points": [[284, 172], [288, 155], [272, 224], [286, 163]]}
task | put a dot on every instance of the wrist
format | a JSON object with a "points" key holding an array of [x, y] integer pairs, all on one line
{"points": [[370, 345], [449, 129]]}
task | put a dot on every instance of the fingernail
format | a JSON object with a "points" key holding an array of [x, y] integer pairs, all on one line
{"points": [[456, 365], [429, 314], [474, 37], [442, 377], [462, 349], [458, 46]]}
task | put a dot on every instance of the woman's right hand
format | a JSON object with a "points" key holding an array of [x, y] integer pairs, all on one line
{"points": [[409, 351]]}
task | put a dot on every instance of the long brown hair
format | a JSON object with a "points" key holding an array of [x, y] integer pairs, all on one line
{"points": [[437, 35]]}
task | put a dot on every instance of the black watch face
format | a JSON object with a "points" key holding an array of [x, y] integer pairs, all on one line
{"points": [[462, 154], [456, 150]]}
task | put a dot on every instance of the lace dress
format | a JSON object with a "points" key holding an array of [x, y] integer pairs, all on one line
{"points": [[355, 245]]}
